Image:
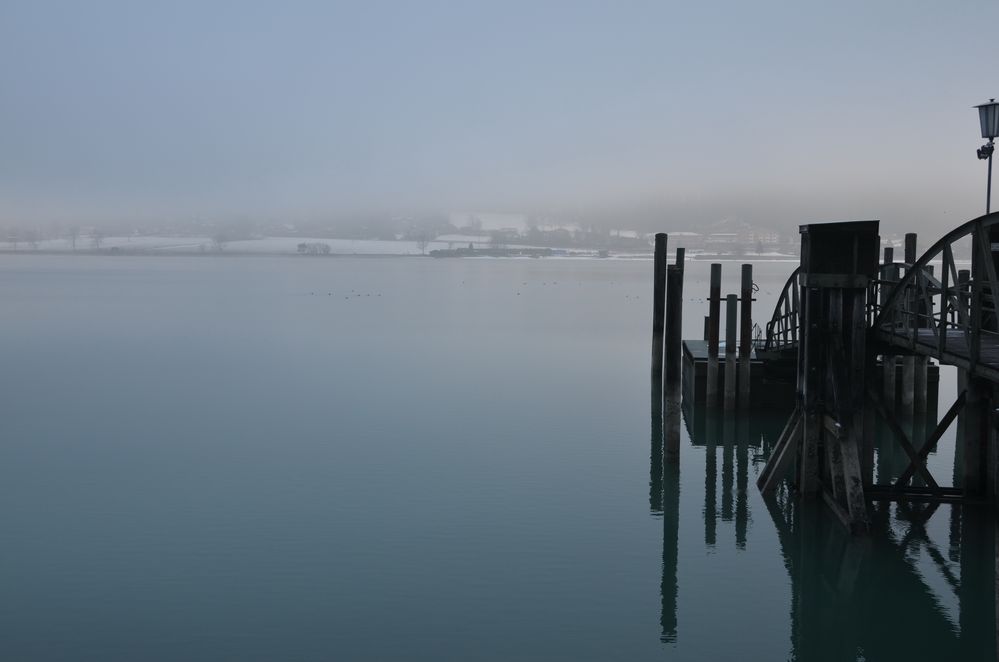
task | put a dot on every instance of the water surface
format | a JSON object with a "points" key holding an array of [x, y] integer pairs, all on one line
{"points": [[370, 459]]}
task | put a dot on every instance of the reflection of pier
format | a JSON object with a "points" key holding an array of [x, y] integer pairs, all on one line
{"points": [[851, 597]]}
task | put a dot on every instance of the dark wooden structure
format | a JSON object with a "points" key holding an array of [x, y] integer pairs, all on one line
{"points": [[855, 342]]}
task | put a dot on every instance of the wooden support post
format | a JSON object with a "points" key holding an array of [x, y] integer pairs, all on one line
{"points": [[909, 362], [910, 248], [964, 299], [853, 452], [976, 433], [888, 360], [714, 312], [808, 459], [908, 400], [707, 327], [920, 402], [658, 322], [674, 334], [731, 319], [746, 337]]}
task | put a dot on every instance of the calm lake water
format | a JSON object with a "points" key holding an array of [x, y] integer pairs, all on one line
{"points": [[416, 459]]}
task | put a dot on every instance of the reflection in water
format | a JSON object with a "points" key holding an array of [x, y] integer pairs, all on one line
{"points": [[895, 594], [671, 530]]}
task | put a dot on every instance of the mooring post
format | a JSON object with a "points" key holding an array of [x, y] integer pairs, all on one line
{"points": [[674, 334], [714, 311], [658, 321], [731, 325], [745, 336]]}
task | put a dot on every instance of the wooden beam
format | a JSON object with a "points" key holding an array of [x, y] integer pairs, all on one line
{"points": [[932, 440], [902, 439], [783, 455]]}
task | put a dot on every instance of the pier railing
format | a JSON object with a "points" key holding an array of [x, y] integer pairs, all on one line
{"points": [[784, 326], [952, 317]]}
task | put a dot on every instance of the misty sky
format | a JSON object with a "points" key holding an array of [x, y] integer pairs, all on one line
{"points": [[627, 111]]}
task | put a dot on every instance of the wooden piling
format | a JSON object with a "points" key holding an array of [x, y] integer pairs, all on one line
{"points": [[908, 400], [731, 319], [808, 465], [888, 360], [714, 311], [658, 321], [673, 348], [745, 336]]}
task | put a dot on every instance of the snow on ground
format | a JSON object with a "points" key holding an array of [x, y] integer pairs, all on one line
{"points": [[288, 245]]}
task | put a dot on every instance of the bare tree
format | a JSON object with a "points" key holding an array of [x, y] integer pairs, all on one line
{"points": [[218, 241], [422, 240], [96, 237], [74, 234]]}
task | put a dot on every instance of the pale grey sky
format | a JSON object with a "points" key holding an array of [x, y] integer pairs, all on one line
{"points": [[692, 111]]}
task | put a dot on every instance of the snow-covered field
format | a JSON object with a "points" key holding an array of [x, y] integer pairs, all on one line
{"points": [[269, 245]]}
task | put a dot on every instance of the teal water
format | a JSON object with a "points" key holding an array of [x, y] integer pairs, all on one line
{"points": [[374, 459]]}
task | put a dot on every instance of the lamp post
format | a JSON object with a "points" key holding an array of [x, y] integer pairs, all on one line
{"points": [[988, 115]]}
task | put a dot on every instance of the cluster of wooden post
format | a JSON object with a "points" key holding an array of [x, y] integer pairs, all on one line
{"points": [[907, 399], [667, 334], [738, 342]]}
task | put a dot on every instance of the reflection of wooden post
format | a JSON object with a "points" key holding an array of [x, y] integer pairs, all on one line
{"points": [[710, 478], [742, 483], [674, 328], [658, 314], [731, 319], [714, 312], [745, 336], [671, 531], [656, 467]]}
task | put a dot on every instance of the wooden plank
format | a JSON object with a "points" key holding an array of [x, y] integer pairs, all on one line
{"points": [[783, 454], [853, 483]]}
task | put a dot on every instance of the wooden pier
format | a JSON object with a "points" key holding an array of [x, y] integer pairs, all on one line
{"points": [[852, 353]]}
